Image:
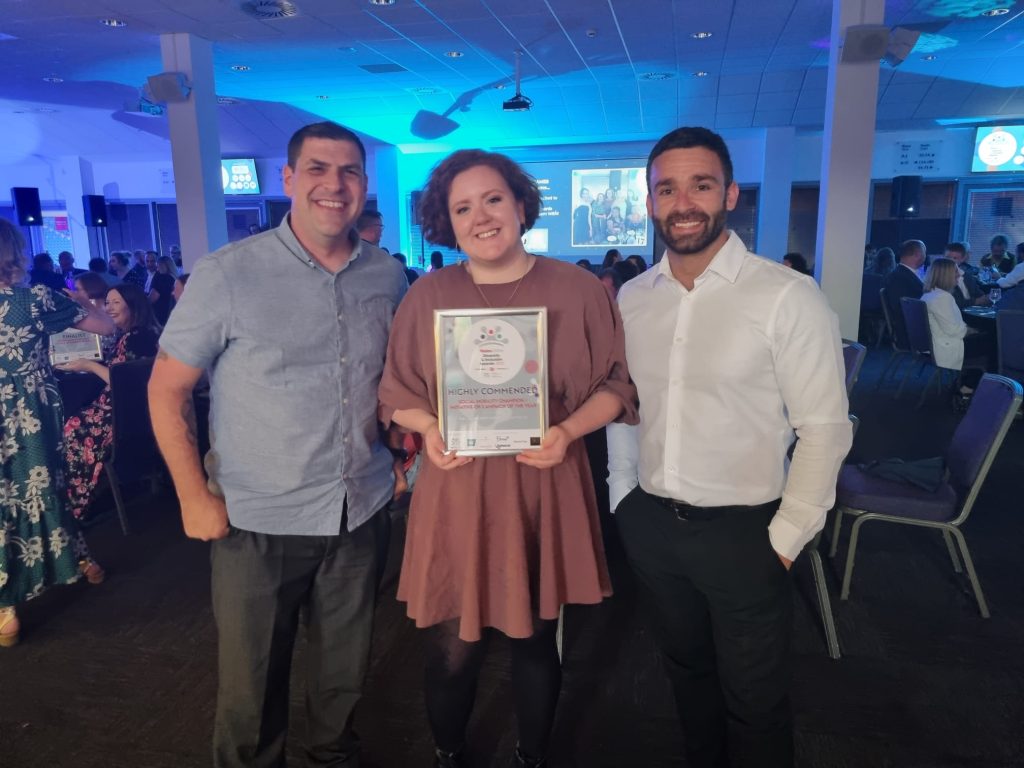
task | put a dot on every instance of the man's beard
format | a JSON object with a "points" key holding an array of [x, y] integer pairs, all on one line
{"points": [[696, 241]]}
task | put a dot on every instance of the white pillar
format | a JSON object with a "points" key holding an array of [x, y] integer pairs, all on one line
{"points": [[846, 166], [195, 148], [390, 201], [776, 191]]}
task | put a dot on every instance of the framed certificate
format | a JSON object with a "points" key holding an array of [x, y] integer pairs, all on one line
{"points": [[73, 344], [492, 379]]}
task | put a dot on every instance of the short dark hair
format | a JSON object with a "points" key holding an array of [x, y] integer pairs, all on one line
{"points": [[908, 247], [436, 259], [139, 306], [122, 257], [687, 138], [95, 287], [98, 264], [616, 278], [369, 216], [999, 239], [324, 130], [437, 224], [957, 248], [798, 262], [43, 261]]}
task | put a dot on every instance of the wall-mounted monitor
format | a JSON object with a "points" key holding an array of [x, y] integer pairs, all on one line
{"points": [[999, 148], [239, 176]]}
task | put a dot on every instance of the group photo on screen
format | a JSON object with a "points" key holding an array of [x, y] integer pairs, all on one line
{"points": [[609, 207]]}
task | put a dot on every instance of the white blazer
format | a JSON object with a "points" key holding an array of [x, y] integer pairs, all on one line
{"points": [[948, 328]]}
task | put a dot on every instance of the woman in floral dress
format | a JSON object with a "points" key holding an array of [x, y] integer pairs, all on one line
{"points": [[39, 542], [89, 434]]}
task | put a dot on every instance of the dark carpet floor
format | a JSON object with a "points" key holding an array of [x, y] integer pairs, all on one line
{"points": [[123, 675]]}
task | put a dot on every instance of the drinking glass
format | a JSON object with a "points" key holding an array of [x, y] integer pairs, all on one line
{"points": [[995, 294]]}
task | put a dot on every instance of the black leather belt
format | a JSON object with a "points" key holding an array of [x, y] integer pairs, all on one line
{"points": [[690, 513]]}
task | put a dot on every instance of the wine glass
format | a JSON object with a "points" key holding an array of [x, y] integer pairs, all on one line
{"points": [[995, 294]]}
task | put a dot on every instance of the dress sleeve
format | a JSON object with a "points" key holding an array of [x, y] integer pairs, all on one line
{"points": [[410, 378], [606, 342], [55, 311]]}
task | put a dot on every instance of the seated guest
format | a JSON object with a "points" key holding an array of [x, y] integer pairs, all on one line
{"points": [[99, 266], [967, 291], [997, 256], [91, 289], [626, 270], [797, 262], [585, 263], [42, 273], [67, 265], [410, 274], [612, 282], [436, 261], [885, 261], [611, 256], [89, 434], [947, 325], [1016, 274], [638, 262], [161, 288], [903, 281]]}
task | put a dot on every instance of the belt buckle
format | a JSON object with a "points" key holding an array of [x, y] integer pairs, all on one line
{"points": [[680, 508]]}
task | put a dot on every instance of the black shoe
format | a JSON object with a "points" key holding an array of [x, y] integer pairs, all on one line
{"points": [[444, 759], [519, 760]]}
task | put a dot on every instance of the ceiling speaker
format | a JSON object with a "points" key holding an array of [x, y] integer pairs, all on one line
{"points": [[168, 87], [865, 42], [901, 43]]}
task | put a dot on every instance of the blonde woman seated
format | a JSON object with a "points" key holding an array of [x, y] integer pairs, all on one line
{"points": [[952, 340]]}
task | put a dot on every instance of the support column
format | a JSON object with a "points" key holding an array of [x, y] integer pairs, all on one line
{"points": [[776, 192], [195, 148], [390, 203], [846, 166]]}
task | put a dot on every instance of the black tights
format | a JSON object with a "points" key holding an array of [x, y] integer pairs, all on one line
{"points": [[452, 669]]}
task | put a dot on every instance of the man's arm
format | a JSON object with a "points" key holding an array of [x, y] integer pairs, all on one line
{"points": [[203, 514], [623, 459]]}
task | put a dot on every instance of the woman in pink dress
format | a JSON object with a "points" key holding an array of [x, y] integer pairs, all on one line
{"points": [[500, 543]]}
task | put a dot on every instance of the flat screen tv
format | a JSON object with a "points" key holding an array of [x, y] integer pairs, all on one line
{"points": [[239, 176], [999, 149]]}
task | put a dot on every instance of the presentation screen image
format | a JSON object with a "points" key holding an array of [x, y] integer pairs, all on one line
{"points": [[609, 207], [239, 177], [999, 149]]}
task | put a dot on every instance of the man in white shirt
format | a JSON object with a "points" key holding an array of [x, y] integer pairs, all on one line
{"points": [[731, 353]]}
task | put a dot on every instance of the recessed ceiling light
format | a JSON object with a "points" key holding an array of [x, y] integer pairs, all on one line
{"points": [[114, 22], [656, 76], [347, 49], [701, 35], [700, 73], [240, 68], [453, 54], [382, 2], [929, 57], [53, 79], [322, 97], [424, 90], [499, 87], [227, 101], [996, 12]]}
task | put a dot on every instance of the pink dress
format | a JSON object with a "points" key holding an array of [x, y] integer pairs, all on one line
{"points": [[495, 543]]}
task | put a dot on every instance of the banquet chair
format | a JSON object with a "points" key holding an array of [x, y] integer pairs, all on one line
{"points": [[1010, 342], [134, 454], [898, 353], [968, 459], [853, 359], [919, 334]]}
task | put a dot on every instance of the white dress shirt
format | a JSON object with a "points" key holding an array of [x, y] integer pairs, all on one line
{"points": [[1013, 277], [948, 328], [725, 374]]}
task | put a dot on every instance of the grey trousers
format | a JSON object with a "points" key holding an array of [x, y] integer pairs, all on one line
{"points": [[261, 582]]}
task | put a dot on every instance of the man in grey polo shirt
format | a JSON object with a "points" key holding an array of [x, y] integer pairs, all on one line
{"points": [[293, 326]]}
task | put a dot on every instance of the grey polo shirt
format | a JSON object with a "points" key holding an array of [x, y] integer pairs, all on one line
{"points": [[295, 355]]}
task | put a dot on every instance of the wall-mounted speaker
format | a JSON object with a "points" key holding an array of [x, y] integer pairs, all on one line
{"points": [[905, 202], [95, 209], [864, 42], [27, 207], [168, 87]]}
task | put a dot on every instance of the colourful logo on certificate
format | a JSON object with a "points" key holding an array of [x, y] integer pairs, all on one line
{"points": [[492, 351]]}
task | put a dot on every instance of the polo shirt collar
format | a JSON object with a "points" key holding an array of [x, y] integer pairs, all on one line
{"points": [[287, 236]]}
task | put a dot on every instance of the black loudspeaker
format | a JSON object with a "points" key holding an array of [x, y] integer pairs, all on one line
{"points": [[27, 207], [1002, 206], [905, 202], [414, 201], [95, 207]]}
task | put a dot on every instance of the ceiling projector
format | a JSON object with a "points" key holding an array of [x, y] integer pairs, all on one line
{"points": [[517, 103]]}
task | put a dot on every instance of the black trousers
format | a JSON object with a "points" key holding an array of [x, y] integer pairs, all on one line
{"points": [[721, 605], [261, 584]]}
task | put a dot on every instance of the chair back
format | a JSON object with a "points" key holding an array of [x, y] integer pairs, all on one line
{"points": [[870, 293], [883, 295], [134, 452], [853, 359], [1010, 335], [919, 332], [978, 436]]}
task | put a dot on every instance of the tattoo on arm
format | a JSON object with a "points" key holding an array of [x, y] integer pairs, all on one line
{"points": [[188, 415]]}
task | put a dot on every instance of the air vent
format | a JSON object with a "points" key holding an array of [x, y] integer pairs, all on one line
{"points": [[382, 69], [270, 9]]}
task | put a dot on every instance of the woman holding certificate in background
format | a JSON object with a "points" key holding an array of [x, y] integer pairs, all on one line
{"points": [[502, 542], [39, 542]]}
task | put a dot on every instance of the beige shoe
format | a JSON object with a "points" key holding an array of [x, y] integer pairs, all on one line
{"points": [[9, 627], [92, 571]]}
